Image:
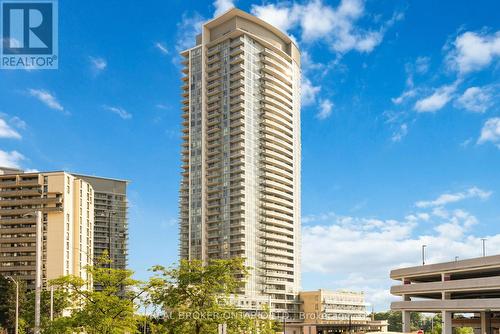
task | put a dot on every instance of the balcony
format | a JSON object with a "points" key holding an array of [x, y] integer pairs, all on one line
{"points": [[24, 192]]}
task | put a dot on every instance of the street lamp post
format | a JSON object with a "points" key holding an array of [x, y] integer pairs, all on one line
{"points": [[423, 254], [17, 302], [52, 303], [38, 266], [484, 246], [38, 272]]}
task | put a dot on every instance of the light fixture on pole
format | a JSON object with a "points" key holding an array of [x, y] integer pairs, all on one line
{"points": [[17, 302], [423, 254]]}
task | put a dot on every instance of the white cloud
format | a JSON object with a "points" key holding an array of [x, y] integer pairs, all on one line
{"points": [[119, 111], [476, 99], [490, 132], [6, 131], [162, 47], [437, 100], [402, 132], [404, 96], [98, 64], [47, 98], [222, 6], [357, 256], [280, 15], [336, 26], [162, 106], [309, 92], [422, 65], [325, 109], [474, 51], [18, 123], [448, 198], [10, 159], [187, 30]]}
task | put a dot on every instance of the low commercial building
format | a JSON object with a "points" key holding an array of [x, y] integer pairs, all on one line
{"points": [[453, 288], [325, 312], [67, 223]]}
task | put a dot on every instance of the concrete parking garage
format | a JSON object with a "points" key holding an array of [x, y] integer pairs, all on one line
{"points": [[468, 286]]}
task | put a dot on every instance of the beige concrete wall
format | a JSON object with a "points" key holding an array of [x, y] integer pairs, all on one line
{"points": [[262, 32], [457, 305], [454, 266], [83, 210], [56, 230], [65, 254], [311, 305]]}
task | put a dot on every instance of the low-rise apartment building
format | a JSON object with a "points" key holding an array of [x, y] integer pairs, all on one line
{"points": [[324, 311]]}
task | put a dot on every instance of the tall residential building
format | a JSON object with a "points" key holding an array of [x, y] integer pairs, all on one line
{"points": [[110, 219], [240, 188], [66, 203]]}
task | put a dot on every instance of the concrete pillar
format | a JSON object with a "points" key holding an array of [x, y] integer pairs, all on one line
{"points": [[407, 322], [484, 323], [447, 329]]}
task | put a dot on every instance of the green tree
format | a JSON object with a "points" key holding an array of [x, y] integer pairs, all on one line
{"points": [[433, 324], [463, 330], [61, 302], [196, 297], [8, 303], [107, 311], [395, 320]]}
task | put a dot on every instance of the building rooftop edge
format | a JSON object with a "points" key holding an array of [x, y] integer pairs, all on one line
{"points": [[232, 12], [21, 171], [446, 266]]}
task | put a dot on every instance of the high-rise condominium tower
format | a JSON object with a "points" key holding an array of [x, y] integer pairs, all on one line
{"points": [[240, 188]]}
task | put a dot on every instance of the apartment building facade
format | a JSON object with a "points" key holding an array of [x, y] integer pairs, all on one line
{"points": [[324, 305], [67, 212], [110, 219], [240, 187], [324, 311]]}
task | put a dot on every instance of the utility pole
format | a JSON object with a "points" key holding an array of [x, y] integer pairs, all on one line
{"points": [[145, 319], [423, 254], [17, 302], [38, 275], [52, 303]]}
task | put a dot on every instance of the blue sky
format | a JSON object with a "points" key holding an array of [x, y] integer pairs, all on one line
{"points": [[400, 124]]}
